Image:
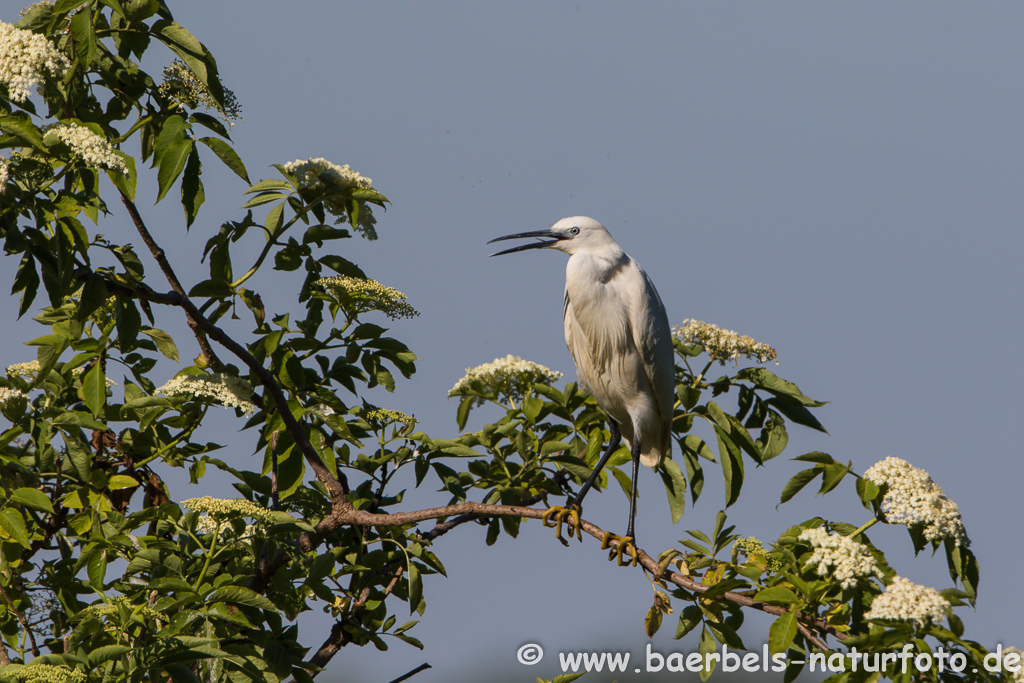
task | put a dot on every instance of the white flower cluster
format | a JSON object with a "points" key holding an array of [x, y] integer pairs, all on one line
{"points": [[1018, 675], [509, 377], [181, 85], [41, 673], [26, 370], [24, 57], [721, 344], [5, 173], [368, 295], [309, 171], [840, 557], [8, 395], [230, 391], [383, 416], [904, 600], [30, 369], [226, 508], [94, 150], [913, 498]]}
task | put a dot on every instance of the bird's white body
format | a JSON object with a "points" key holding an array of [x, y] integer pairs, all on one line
{"points": [[618, 334]]}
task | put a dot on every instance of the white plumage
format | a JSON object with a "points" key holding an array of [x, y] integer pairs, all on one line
{"points": [[618, 334]]}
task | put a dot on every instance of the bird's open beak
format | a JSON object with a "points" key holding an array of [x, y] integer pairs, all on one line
{"points": [[533, 245]]}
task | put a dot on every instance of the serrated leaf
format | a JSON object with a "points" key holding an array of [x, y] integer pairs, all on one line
{"points": [[33, 498], [172, 163], [238, 595], [22, 128], [797, 482], [777, 595], [675, 487], [689, 619], [782, 633], [94, 389], [769, 381], [416, 602], [192, 193], [121, 481], [163, 342], [228, 155], [12, 526], [106, 653]]}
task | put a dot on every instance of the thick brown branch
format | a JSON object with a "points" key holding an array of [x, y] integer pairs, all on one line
{"points": [[808, 625], [203, 327]]}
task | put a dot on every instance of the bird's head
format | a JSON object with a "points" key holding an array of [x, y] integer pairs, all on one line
{"points": [[571, 235]]}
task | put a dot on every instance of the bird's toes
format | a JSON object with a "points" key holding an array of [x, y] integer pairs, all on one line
{"points": [[556, 516], [622, 543]]}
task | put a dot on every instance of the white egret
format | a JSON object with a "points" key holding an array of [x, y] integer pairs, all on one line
{"points": [[618, 334]]}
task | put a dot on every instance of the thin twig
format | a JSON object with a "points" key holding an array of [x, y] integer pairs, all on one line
{"points": [[165, 266], [203, 328], [404, 677]]}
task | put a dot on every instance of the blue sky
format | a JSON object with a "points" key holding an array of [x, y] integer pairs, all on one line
{"points": [[839, 180]]}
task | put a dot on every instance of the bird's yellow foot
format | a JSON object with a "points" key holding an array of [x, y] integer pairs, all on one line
{"points": [[558, 514], [623, 543]]}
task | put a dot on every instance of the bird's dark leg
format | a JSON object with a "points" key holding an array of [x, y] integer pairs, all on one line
{"points": [[558, 514], [632, 499], [627, 541]]}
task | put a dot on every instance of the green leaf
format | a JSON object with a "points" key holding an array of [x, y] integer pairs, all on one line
{"points": [[463, 413], [217, 289], [33, 498], [163, 342], [799, 480], [121, 481], [172, 163], [769, 381], [12, 526], [416, 602], [689, 619], [20, 127], [675, 487], [97, 569], [85, 38], [815, 456], [128, 322], [796, 412], [192, 193], [126, 183], [782, 633], [94, 389], [707, 647], [696, 445], [777, 595], [732, 466], [833, 474], [106, 653], [270, 185], [238, 595], [228, 155]]}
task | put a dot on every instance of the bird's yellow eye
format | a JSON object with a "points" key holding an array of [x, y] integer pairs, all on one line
{"points": [[574, 231]]}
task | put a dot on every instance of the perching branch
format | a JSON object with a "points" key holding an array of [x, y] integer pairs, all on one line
{"points": [[807, 625]]}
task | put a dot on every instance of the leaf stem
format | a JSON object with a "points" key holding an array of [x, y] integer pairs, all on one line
{"points": [[864, 527]]}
